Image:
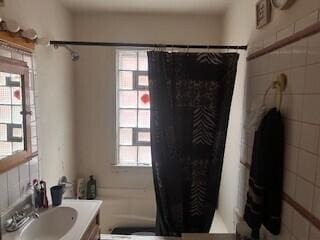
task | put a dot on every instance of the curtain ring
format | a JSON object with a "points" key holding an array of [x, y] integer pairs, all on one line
{"points": [[208, 49]]}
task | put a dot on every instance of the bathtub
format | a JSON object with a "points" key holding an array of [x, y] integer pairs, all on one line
{"points": [[126, 208]]}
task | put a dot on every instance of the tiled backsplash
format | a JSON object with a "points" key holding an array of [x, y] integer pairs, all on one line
{"points": [[300, 61], [13, 184]]}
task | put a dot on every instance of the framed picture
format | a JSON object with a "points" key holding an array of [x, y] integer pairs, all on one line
{"points": [[263, 13]]}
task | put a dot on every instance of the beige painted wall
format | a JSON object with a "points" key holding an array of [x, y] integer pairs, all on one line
{"points": [[96, 79], [239, 27], [54, 84]]}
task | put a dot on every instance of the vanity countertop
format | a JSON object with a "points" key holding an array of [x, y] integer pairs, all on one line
{"points": [[86, 210]]}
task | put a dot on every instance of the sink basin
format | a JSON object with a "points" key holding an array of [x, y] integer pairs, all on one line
{"points": [[69, 221], [51, 225]]}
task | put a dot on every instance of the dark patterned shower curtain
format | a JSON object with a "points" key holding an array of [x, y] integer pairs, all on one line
{"points": [[190, 103]]}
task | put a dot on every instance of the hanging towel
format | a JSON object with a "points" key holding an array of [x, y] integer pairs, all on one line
{"points": [[264, 197]]}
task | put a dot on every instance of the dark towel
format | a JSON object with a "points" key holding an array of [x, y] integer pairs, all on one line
{"points": [[264, 198]]}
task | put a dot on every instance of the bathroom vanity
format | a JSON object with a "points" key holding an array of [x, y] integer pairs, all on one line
{"points": [[79, 220], [73, 219]]}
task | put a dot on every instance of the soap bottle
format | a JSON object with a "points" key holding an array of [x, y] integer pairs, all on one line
{"points": [[91, 188], [81, 189]]}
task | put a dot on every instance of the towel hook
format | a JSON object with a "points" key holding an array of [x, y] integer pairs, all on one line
{"points": [[280, 85]]}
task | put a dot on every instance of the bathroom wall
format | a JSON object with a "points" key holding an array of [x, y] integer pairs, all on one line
{"points": [[54, 87], [240, 35], [300, 61], [96, 96]]}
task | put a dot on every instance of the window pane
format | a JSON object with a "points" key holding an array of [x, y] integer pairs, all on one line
{"points": [[125, 136], [128, 155], [5, 114], [144, 119], [17, 146], [3, 78], [143, 61], [127, 99], [17, 132], [125, 80], [5, 95], [128, 118], [143, 81], [16, 95], [16, 115], [133, 108], [128, 60], [5, 149], [144, 136], [3, 132], [144, 155], [144, 99], [16, 79]]}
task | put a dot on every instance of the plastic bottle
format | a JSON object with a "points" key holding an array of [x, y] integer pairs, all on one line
{"points": [[91, 188]]}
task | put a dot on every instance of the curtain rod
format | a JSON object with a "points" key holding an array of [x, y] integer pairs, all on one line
{"points": [[146, 45]]}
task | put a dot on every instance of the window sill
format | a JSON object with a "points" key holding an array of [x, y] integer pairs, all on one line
{"points": [[131, 166]]}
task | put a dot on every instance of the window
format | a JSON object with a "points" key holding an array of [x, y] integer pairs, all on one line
{"points": [[15, 127], [133, 106]]}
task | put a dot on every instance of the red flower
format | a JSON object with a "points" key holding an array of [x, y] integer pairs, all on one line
{"points": [[145, 98], [17, 94]]}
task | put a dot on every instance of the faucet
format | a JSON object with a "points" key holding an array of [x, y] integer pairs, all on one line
{"points": [[19, 219]]}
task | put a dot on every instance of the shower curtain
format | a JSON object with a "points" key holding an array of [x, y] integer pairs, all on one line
{"points": [[190, 103]]}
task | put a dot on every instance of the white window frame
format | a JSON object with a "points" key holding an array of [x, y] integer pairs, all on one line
{"points": [[117, 122]]}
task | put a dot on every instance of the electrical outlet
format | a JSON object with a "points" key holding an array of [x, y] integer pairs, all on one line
{"points": [[1, 3]]}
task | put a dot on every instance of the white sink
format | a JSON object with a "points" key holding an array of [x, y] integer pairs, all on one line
{"points": [[66, 222], [43, 229]]}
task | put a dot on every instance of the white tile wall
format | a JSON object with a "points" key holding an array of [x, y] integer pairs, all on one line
{"points": [[299, 53], [306, 21], [290, 182], [314, 49], [13, 183], [309, 137], [4, 200], [316, 203], [293, 132], [314, 233], [284, 33], [312, 84], [300, 61], [304, 193], [291, 158], [318, 173], [296, 76], [300, 227], [307, 166]]}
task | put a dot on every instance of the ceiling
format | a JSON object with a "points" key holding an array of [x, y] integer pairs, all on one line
{"points": [[149, 6]]}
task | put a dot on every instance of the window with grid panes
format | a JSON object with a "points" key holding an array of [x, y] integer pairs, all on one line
{"points": [[133, 107]]}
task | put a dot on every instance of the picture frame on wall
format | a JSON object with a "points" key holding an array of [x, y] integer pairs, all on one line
{"points": [[263, 13]]}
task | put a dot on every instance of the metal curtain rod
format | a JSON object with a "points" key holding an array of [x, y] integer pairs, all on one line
{"points": [[146, 45]]}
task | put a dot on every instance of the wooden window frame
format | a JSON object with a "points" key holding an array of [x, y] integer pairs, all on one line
{"points": [[19, 67]]}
